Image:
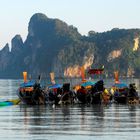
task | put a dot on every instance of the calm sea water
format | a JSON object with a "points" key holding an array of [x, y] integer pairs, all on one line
{"points": [[77, 122]]}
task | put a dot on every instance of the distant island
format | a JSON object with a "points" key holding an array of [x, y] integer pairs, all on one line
{"points": [[54, 46]]}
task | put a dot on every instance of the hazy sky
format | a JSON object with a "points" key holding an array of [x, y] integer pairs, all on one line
{"points": [[86, 15]]}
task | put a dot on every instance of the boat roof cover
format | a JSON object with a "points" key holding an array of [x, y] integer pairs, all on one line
{"points": [[88, 83], [120, 85], [55, 86], [28, 84]]}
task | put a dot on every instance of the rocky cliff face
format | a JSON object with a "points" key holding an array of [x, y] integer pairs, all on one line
{"points": [[54, 46], [4, 58], [17, 44], [136, 44]]}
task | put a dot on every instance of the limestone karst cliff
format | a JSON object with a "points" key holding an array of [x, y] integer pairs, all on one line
{"points": [[53, 45]]}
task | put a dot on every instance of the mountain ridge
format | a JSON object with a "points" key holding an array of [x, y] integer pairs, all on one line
{"points": [[53, 45]]}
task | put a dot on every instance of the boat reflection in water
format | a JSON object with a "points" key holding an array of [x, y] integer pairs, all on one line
{"points": [[79, 121]]}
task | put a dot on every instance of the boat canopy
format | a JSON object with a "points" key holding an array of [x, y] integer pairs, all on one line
{"points": [[120, 85], [88, 83], [28, 84], [55, 86]]}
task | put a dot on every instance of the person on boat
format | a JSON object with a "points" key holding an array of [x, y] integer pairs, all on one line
{"points": [[38, 96], [57, 95], [116, 93], [82, 90], [106, 96], [132, 91], [66, 97], [55, 90], [96, 92], [98, 87], [59, 91], [82, 94]]}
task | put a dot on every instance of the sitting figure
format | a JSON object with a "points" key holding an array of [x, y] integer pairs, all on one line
{"points": [[66, 96], [96, 92], [106, 97], [132, 91], [38, 96], [81, 94], [132, 94]]}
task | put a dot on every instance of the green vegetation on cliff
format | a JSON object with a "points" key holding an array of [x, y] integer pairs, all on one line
{"points": [[52, 45]]}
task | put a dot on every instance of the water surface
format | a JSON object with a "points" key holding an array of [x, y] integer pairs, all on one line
{"points": [[94, 122]]}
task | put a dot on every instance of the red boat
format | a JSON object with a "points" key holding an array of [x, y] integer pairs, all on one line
{"points": [[95, 71]]}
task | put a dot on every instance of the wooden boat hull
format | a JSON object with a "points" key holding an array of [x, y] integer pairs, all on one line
{"points": [[25, 98], [96, 98], [31, 93], [120, 99], [81, 98], [32, 98]]}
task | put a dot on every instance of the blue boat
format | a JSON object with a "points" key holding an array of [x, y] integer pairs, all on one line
{"points": [[120, 92], [31, 93]]}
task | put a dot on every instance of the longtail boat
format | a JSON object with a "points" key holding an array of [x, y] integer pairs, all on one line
{"points": [[30, 92]]}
